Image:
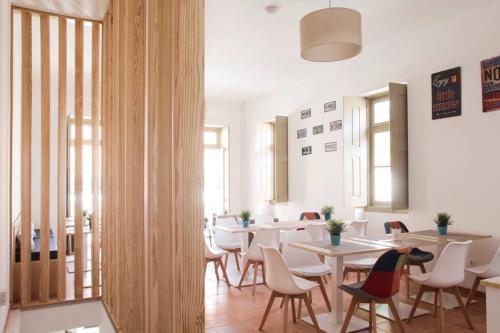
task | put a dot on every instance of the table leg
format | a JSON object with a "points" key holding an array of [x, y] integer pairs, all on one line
{"points": [[244, 247], [336, 293]]}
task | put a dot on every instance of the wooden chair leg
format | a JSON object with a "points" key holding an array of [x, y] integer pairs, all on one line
{"points": [[395, 314], [224, 272], [299, 312], [282, 302], [358, 275], [462, 306], [294, 317], [373, 317], [325, 295], [285, 314], [325, 279], [473, 290], [345, 273], [415, 305], [308, 303], [237, 261], [408, 273], [226, 259], [422, 268], [436, 303], [255, 270], [441, 311], [263, 272], [216, 265], [244, 275], [268, 309], [350, 312]]}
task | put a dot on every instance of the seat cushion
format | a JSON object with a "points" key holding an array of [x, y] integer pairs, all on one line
{"points": [[314, 270], [362, 263], [480, 271], [419, 278], [418, 256], [303, 284], [216, 252]]}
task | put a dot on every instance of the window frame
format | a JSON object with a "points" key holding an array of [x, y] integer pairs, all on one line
{"points": [[217, 131]]}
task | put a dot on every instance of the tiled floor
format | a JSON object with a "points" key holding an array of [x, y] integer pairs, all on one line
{"points": [[236, 310]]}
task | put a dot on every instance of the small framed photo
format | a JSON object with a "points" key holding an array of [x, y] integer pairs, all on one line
{"points": [[307, 150], [318, 129], [336, 125], [330, 146], [301, 133], [330, 106], [305, 114]]}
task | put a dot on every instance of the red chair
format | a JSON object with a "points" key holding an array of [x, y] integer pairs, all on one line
{"points": [[310, 216]]}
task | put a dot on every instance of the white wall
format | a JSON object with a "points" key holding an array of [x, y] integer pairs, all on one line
{"points": [[453, 163], [230, 114], [4, 151]]}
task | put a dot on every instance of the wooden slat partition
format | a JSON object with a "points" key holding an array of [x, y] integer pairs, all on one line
{"points": [[26, 92]]}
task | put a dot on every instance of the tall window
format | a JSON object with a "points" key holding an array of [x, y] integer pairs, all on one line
{"points": [[381, 186], [216, 165], [265, 158]]}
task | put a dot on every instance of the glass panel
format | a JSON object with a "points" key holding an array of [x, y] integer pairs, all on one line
{"points": [[382, 149], [214, 182], [210, 138], [381, 111], [382, 184]]}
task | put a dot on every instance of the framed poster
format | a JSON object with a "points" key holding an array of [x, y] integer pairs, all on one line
{"points": [[490, 80], [307, 150], [447, 94], [305, 114], [330, 146], [317, 129], [330, 106], [336, 125], [301, 133]]}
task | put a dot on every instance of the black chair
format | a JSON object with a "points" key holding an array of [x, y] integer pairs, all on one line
{"points": [[417, 257]]}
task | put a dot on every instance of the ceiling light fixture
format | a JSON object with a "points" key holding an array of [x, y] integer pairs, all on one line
{"points": [[330, 34], [272, 8]]}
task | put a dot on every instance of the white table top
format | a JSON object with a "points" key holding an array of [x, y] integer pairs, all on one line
{"points": [[347, 247], [283, 225]]}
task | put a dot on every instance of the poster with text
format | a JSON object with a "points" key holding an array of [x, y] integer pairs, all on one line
{"points": [[490, 79], [447, 94]]}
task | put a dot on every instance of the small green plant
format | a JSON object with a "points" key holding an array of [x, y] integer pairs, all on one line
{"points": [[327, 210], [335, 227], [245, 215], [443, 219]]}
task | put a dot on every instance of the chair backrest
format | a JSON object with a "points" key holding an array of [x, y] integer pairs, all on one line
{"points": [[389, 226], [295, 257], [310, 216], [383, 281], [317, 232], [264, 219], [264, 237], [349, 232], [449, 269], [223, 238], [278, 276], [494, 268], [360, 226]]}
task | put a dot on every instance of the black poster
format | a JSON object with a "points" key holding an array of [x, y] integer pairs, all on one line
{"points": [[447, 94], [307, 150]]}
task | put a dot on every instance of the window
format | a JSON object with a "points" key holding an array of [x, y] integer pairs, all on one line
{"points": [[265, 158], [380, 152]]}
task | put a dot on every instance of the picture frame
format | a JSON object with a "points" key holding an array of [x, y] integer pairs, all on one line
{"points": [[305, 113]]}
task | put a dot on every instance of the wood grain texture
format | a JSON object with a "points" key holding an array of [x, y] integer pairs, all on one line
{"points": [[281, 159], [45, 159], [78, 159], [96, 123], [26, 91], [61, 160]]}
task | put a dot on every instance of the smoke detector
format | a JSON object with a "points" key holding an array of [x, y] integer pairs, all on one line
{"points": [[272, 8]]}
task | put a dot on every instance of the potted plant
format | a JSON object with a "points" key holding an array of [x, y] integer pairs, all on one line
{"points": [[245, 217], [443, 220], [327, 211], [335, 228]]}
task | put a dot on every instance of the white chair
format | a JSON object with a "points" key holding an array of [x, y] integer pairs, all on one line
{"points": [[358, 263], [254, 256], [304, 263], [317, 232], [448, 273], [226, 240], [483, 272], [214, 254], [284, 284], [361, 226], [264, 219]]}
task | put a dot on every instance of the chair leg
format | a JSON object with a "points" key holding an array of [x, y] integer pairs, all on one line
{"points": [[373, 317], [308, 303], [225, 260], [462, 306], [345, 273], [436, 303], [263, 272], [441, 310], [224, 273], [395, 314], [216, 267], [244, 275], [358, 275], [415, 305], [350, 312], [237, 261], [299, 312], [285, 314], [408, 272], [325, 295], [268, 309], [255, 270], [294, 317], [325, 279], [473, 290], [282, 302], [422, 268]]}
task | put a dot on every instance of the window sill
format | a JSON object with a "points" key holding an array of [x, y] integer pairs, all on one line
{"points": [[384, 209]]}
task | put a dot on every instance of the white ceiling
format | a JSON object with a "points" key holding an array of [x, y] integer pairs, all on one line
{"points": [[250, 53], [88, 9]]}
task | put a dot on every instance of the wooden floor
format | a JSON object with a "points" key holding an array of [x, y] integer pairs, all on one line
{"points": [[236, 310]]}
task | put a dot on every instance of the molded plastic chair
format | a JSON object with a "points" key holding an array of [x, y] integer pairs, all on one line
{"points": [[310, 216], [226, 240], [417, 257], [484, 272], [379, 287], [304, 263], [357, 263], [254, 254], [214, 254], [284, 284], [361, 226], [317, 232], [448, 273], [264, 219]]}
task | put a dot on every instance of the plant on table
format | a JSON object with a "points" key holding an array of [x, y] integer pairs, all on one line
{"points": [[245, 216], [443, 220], [335, 227], [327, 211]]}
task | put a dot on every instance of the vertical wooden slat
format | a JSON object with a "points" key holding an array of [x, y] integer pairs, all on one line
{"points": [[61, 160], [96, 121], [45, 159], [26, 93], [11, 120], [78, 159]]}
